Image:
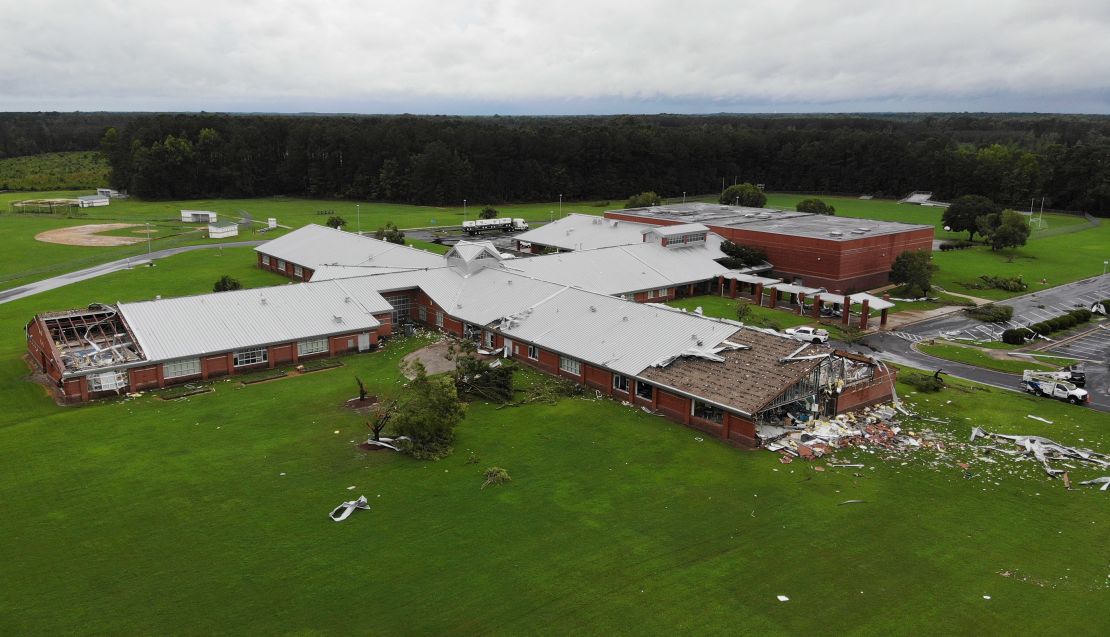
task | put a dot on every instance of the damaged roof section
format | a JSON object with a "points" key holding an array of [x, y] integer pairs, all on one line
{"points": [[748, 376], [92, 338]]}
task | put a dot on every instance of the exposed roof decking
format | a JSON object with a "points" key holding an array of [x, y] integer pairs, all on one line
{"points": [[748, 379], [314, 246], [192, 326], [774, 221], [585, 232]]}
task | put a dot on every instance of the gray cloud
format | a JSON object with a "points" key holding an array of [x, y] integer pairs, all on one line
{"points": [[568, 57]]}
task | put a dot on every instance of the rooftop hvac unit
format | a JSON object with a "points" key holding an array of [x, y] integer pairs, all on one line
{"points": [[836, 233]]}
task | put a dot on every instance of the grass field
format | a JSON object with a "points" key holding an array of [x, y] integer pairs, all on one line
{"points": [[1057, 258], [207, 515], [979, 358], [54, 171], [724, 307]]}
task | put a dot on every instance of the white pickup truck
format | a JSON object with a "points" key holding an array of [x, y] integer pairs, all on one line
{"points": [[1046, 384], [807, 334]]}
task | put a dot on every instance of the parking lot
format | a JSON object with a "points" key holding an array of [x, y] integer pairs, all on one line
{"points": [[1031, 308], [1092, 346]]}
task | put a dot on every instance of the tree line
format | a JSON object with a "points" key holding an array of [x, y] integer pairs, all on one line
{"points": [[441, 160]]}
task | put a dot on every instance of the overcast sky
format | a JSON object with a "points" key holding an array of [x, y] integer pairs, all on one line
{"points": [[556, 56]]}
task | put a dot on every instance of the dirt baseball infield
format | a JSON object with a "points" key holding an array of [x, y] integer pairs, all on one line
{"points": [[87, 235]]}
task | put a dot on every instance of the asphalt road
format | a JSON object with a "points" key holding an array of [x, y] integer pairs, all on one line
{"points": [[107, 268], [892, 348]]}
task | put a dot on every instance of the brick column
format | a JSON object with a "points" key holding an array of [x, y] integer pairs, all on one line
{"points": [[774, 297], [231, 363], [817, 307], [757, 294], [732, 288], [864, 314], [882, 319], [159, 372], [845, 310]]}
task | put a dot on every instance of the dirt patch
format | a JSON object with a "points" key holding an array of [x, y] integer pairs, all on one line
{"points": [[87, 235], [144, 232], [434, 358]]}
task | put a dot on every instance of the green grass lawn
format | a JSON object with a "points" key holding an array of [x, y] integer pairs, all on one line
{"points": [[427, 245], [52, 171], [207, 514], [980, 358], [776, 319]]}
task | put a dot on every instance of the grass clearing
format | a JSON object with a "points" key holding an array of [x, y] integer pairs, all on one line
{"points": [[614, 521], [776, 319], [980, 358]]}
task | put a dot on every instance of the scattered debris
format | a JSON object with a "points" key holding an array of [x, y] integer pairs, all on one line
{"points": [[343, 511], [1044, 420], [783, 598], [852, 502], [1104, 481], [1044, 450]]}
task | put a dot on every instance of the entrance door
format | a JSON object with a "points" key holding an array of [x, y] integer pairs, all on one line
{"points": [[364, 342]]}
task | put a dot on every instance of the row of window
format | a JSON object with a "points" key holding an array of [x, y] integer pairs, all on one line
{"points": [[660, 293], [297, 270], [254, 356]]}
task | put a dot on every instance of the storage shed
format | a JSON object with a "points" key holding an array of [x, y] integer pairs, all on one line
{"points": [[223, 229], [198, 216]]}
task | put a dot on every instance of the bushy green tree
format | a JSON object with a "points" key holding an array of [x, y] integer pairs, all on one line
{"points": [[643, 200], [815, 206], [740, 256], [391, 233], [744, 194], [427, 414], [914, 270], [489, 212], [226, 283], [963, 215], [1012, 231], [335, 221]]}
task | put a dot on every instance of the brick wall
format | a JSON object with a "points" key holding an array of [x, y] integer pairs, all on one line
{"points": [[289, 270], [875, 391]]}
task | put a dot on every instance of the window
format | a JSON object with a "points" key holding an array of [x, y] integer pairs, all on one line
{"points": [[400, 304], [251, 356], [265, 259], [533, 352], [298, 271], [661, 292], [439, 318], [620, 382], [184, 367], [107, 381], [570, 365], [490, 339], [708, 412], [651, 294], [422, 312], [643, 390], [281, 264], [312, 346]]}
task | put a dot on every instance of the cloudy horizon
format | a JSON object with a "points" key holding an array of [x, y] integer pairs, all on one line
{"points": [[505, 57]]}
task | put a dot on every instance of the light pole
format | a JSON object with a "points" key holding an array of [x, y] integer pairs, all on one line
{"points": [[464, 212], [358, 217], [560, 205], [148, 254], [1104, 264], [683, 196]]}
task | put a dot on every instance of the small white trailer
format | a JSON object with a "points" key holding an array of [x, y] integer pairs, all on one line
{"points": [[198, 216]]}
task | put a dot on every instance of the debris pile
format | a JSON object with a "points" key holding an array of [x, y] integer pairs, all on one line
{"points": [[1044, 450], [873, 427]]}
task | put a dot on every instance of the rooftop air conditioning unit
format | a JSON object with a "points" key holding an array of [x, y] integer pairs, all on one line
{"points": [[835, 233]]}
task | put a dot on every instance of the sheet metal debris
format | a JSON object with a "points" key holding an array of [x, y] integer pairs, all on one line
{"points": [[1043, 450]]}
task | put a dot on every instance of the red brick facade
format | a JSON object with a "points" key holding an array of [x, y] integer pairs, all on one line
{"points": [[285, 268], [847, 265]]}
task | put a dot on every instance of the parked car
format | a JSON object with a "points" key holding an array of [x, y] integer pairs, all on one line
{"points": [[807, 334]]}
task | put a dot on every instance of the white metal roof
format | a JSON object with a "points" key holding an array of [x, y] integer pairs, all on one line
{"points": [[625, 269], [873, 302], [314, 246], [192, 326], [585, 232], [791, 288], [624, 336], [751, 278]]}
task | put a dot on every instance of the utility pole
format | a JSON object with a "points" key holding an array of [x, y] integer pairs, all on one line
{"points": [[148, 252], [358, 218], [464, 211], [560, 205], [683, 196]]}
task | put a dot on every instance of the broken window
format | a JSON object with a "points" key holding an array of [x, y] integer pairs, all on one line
{"points": [[251, 356], [705, 411], [620, 383], [107, 381], [533, 352], [644, 390]]}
